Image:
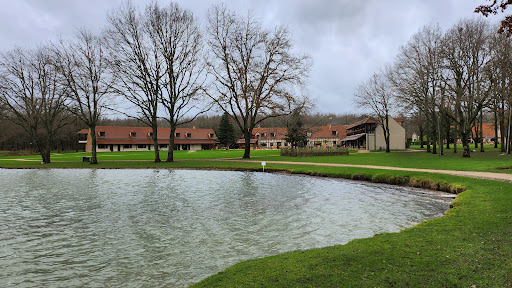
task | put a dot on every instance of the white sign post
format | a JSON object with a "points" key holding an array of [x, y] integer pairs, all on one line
{"points": [[263, 163]]}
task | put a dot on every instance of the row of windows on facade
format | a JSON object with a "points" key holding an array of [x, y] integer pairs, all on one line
{"points": [[134, 134], [271, 144], [273, 135], [130, 146]]}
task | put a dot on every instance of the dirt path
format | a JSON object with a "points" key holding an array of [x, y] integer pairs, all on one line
{"points": [[472, 174]]}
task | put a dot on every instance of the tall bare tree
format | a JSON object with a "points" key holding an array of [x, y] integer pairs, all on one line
{"points": [[136, 64], [176, 35], [32, 96], [254, 71], [468, 87], [377, 94], [83, 66]]}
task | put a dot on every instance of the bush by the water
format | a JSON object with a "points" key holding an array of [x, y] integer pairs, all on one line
{"points": [[302, 152]]}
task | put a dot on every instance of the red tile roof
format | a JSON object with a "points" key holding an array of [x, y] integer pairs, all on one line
{"points": [[123, 135], [279, 133], [488, 130], [326, 132]]}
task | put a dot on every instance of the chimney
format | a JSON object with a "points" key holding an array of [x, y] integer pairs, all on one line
{"points": [[193, 127], [329, 126]]}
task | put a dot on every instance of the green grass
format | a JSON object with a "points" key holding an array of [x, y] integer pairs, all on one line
{"points": [[489, 161], [470, 245]]}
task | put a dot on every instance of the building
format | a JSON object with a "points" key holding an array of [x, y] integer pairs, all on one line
{"points": [[326, 136], [274, 138], [111, 138], [368, 134]]}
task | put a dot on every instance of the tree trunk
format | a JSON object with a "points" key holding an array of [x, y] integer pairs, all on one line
{"points": [[155, 144], [386, 134], [434, 147], [455, 138], [465, 145], [428, 145], [170, 152], [502, 127], [495, 127], [448, 134], [421, 136], [247, 137], [481, 131], [94, 159]]}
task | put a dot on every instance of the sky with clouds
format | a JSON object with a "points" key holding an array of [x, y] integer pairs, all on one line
{"points": [[347, 40]]}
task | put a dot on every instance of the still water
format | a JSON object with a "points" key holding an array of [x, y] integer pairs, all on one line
{"points": [[152, 228]]}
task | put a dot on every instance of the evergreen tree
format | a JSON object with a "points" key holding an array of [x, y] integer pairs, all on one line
{"points": [[226, 132], [296, 133]]}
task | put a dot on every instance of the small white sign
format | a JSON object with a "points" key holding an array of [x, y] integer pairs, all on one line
{"points": [[263, 163]]}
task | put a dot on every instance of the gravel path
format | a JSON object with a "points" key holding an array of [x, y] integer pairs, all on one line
{"points": [[472, 174]]}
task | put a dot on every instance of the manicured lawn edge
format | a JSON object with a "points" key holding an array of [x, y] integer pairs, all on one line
{"points": [[470, 245]]}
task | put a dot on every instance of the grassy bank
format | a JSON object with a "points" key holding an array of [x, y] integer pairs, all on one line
{"points": [[470, 245]]}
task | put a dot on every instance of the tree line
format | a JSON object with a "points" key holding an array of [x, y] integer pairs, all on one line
{"points": [[161, 62], [447, 81]]}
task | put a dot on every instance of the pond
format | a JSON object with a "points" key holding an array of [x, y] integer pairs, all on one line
{"points": [[133, 228]]}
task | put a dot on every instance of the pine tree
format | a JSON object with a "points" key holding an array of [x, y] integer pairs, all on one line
{"points": [[226, 132], [296, 134]]}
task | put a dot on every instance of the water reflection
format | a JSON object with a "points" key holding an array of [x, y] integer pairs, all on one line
{"points": [[108, 228]]}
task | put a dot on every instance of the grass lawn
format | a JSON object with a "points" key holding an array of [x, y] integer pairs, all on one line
{"points": [[489, 161], [470, 245]]}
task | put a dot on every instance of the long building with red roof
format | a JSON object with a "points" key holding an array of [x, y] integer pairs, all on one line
{"points": [[112, 138]]}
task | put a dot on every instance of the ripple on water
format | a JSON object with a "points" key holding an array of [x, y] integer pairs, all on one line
{"points": [[133, 228]]}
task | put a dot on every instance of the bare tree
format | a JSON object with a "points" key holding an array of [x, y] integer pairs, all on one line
{"points": [[84, 72], [468, 86], [32, 96], [377, 94], [254, 70], [137, 65], [416, 78], [177, 37]]}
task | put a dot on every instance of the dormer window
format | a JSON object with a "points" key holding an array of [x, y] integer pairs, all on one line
{"points": [[150, 134], [334, 133], [133, 134], [102, 133], [189, 135], [272, 135], [177, 135], [211, 135]]}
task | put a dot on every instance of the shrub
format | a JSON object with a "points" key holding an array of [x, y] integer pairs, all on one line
{"points": [[303, 152]]}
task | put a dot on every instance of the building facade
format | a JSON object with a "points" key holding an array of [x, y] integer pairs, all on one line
{"points": [[112, 138], [368, 134]]}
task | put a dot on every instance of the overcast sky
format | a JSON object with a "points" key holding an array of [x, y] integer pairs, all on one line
{"points": [[348, 40]]}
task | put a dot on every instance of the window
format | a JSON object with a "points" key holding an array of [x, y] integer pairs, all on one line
{"points": [[177, 135], [127, 146], [272, 135], [257, 136], [150, 134], [189, 135], [133, 134], [163, 145], [309, 134], [102, 133], [271, 144], [141, 146], [211, 135], [334, 133], [102, 146], [334, 143]]}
